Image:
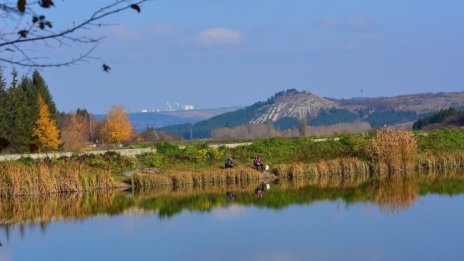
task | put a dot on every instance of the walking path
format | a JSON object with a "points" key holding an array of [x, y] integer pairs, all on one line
{"points": [[123, 152]]}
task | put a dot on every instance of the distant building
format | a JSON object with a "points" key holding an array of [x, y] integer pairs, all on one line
{"points": [[187, 107]]}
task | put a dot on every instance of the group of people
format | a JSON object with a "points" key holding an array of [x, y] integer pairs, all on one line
{"points": [[257, 162]]}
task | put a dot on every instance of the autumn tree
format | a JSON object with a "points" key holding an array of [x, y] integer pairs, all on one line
{"points": [[150, 134], [46, 131], [116, 126], [75, 131]]}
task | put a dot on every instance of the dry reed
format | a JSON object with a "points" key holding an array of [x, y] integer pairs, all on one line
{"points": [[337, 167], [197, 178], [17, 179], [392, 151]]}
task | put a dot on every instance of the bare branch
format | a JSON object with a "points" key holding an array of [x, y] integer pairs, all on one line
{"points": [[32, 61], [39, 31]]}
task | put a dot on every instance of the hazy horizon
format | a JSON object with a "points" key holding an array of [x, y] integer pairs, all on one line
{"points": [[212, 53]]}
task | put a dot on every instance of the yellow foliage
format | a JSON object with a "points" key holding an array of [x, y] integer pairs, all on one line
{"points": [[45, 131], [116, 126]]}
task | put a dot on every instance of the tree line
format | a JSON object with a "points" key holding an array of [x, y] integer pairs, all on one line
{"points": [[28, 114], [31, 122]]}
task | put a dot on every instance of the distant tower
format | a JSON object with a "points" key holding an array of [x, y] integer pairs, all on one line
{"points": [[362, 92]]}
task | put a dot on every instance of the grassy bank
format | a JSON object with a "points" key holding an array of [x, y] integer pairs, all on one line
{"points": [[385, 153]]}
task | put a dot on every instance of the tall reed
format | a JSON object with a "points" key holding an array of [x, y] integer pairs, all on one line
{"points": [[197, 178], [337, 167], [392, 151], [17, 179]]}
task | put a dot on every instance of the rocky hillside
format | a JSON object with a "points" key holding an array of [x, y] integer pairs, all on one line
{"points": [[293, 104]]}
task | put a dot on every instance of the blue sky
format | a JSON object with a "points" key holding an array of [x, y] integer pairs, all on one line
{"points": [[215, 53]]}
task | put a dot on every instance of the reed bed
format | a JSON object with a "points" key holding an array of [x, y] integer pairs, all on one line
{"points": [[337, 167], [444, 161], [18, 179], [198, 178]]}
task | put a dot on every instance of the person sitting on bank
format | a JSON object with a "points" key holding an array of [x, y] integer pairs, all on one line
{"points": [[229, 163], [258, 162]]}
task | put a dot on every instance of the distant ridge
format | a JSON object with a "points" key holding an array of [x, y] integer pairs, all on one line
{"points": [[285, 109]]}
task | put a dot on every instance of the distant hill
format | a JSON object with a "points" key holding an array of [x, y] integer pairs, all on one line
{"points": [[420, 103], [285, 110]]}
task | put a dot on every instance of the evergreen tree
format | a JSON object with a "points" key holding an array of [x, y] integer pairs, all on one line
{"points": [[46, 131], [14, 78], [19, 111], [22, 114], [42, 89], [3, 113]]}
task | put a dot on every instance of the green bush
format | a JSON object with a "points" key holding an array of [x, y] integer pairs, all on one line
{"points": [[167, 148], [151, 159], [110, 160]]}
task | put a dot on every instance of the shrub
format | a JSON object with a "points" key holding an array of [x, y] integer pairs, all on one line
{"points": [[151, 159], [392, 150]]}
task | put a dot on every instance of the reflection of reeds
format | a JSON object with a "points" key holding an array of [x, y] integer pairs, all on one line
{"points": [[394, 193], [391, 193], [43, 209], [18, 179]]}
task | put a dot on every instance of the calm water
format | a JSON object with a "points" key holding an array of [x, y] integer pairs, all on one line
{"points": [[398, 219]]}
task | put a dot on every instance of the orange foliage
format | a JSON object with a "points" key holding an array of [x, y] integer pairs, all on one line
{"points": [[45, 129], [116, 126]]}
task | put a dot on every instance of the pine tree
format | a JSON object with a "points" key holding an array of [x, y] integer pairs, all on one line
{"points": [[14, 78], [41, 89], [3, 113], [46, 131]]}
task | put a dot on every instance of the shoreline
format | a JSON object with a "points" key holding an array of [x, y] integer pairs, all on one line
{"points": [[74, 178]]}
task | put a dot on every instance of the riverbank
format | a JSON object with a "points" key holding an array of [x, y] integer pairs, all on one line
{"points": [[386, 153], [389, 193]]}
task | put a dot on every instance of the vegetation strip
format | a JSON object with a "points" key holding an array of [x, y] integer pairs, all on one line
{"points": [[388, 152]]}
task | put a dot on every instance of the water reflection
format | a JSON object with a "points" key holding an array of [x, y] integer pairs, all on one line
{"points": [[391, 195]]}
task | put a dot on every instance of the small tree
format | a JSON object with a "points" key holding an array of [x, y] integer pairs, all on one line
{"points": [[74, 132], [46, 131], [116, 126]]}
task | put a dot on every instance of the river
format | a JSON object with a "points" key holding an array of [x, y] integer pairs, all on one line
{"points": [[418, 218]]}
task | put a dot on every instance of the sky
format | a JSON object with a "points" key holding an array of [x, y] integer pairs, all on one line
{"points": [[218, 53]]}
